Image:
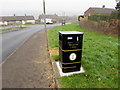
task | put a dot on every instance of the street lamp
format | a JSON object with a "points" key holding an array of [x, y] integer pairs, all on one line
{"points": [[44, 12]]}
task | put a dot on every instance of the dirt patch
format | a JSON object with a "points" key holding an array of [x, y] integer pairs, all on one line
{"points": [[54, 51]]}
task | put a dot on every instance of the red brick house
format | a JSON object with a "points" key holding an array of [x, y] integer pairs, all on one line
{"points": [[103, 10]]}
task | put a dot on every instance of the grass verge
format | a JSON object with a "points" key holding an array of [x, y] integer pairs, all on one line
{"points": [[99, 59], [11, 28]]}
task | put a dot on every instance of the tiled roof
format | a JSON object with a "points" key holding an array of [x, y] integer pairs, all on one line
{"points": [[49, 16], [16, 18], [102, 10]]}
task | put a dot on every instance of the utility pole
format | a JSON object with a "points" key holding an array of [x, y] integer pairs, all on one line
{"points": [[44, 12]]}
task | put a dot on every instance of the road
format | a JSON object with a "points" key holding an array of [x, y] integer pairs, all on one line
{"points": [[4, 27], [13, 40]]}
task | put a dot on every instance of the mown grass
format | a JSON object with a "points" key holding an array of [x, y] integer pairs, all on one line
{"points": [[99, 59], [11, 28]]}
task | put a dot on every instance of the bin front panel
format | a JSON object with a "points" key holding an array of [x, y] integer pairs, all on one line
{"points": [[70, 50]]}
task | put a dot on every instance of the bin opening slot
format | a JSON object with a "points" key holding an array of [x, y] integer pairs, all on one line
{"points": [[73, 39], [69, 38]]}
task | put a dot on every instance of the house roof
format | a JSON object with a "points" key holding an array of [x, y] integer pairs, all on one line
{"points": [[49, 16], [16, 18], [102, 10]]}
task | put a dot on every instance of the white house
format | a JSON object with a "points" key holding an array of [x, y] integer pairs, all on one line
{"points": [[8, 20]]}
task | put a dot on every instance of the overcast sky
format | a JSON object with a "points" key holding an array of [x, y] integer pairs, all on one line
{"points": [[60, 7]]}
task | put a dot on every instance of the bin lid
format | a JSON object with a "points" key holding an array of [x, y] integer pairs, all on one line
{"points": [[70, 32]]}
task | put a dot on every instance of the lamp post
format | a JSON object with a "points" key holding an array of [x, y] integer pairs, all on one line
{"points": [[44, 11]]}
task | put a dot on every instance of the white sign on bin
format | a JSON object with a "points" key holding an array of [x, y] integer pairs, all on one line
{"points": [[72, 56]]}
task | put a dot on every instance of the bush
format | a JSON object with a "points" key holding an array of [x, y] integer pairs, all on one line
{"points": [[80, 16], [115, 15], [94, 17], [98, 17]]}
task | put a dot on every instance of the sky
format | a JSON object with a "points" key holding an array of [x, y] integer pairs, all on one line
{"points": [[60, 7]]}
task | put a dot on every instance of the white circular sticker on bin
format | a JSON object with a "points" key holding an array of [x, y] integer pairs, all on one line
{"points": [[72, 56]]}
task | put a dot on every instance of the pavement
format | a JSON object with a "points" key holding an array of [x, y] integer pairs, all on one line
{"points": [[30, 65]]}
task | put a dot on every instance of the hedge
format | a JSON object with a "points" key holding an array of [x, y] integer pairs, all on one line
{"points": [[98, 17]]}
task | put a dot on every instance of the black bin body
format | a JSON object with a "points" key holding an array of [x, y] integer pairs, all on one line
{"points": [[70, 50]]}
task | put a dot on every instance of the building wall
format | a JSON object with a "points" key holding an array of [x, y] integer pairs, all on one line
{"points": [[23, 22], [17, 22], [3, 23], [30, 21], [14, 22], [89, 12], [42, 20]]}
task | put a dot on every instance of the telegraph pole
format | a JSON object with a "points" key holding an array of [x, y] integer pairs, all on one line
{"points": [[44, 12]]}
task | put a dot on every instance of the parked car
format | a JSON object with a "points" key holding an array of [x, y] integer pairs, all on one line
{"points": [[49, 21]]}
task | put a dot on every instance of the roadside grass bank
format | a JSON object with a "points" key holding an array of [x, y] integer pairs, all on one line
{"points": [[11, 28], [99, 59]]}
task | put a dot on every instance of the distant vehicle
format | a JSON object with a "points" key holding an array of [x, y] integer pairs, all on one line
{"points": [[49, 21], [63, 22]]}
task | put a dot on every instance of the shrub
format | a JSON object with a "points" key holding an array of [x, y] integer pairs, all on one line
{"points": [[115, 15], [98, 17], [80, 16]]}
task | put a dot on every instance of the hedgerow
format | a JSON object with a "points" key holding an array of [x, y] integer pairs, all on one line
{"points": [[100, 17]]}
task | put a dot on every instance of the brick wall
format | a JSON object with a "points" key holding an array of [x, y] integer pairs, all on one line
{"points": [[89, 12]]}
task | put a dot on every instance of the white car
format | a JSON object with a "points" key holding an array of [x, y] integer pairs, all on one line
{"points": [[49, 21]]}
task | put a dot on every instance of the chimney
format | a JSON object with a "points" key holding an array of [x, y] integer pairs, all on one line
{"points": [[103, 6]]}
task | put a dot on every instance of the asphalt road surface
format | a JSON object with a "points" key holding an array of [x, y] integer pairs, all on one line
{"points": [[12, 40]]}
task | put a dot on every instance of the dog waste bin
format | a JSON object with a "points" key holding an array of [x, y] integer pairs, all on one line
{"points": [[70, 50]]}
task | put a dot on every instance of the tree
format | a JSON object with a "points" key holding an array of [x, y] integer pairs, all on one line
{"points": [[118, 6]]}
